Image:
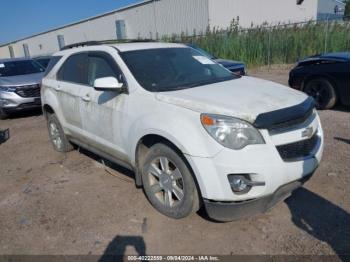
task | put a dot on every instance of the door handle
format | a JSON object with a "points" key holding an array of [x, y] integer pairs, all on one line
{"points": [[57, 88], [86, 98]]}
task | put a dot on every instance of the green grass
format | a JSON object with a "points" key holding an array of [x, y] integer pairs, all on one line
{"points": [[283, 44]]}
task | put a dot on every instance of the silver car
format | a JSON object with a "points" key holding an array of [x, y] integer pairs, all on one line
{"points": [[19, 85]]}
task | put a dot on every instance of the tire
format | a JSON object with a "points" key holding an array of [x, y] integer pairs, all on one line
{"points": [[323, 92], [168, 182], [3, 115], [57, 136]]}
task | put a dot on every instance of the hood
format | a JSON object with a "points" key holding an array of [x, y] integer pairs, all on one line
{"points": [[21, 80], [244, 98], [226, 62]]}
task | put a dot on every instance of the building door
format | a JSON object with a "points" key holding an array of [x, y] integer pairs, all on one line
{"points": [[12, 54], [26, 50], [61, 42], [121, 30]]}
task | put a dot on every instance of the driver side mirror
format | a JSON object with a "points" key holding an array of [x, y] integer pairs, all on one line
{"points": [[108, 84]]}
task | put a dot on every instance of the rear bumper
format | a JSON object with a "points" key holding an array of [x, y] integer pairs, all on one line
{"points": [[230, 211]]}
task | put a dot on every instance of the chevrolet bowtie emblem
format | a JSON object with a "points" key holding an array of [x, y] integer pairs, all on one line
{"points": [[308, 132]]}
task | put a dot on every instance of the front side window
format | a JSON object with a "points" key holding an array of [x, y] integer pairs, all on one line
{"points": [[169, 69], [74, 69], [22, 67], [101, 65]]}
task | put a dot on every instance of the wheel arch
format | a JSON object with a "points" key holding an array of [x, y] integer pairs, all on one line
{"points": [[146, 142], [47, 110]]}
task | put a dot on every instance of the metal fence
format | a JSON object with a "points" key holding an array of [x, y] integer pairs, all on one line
{"points": [[273, 44]]}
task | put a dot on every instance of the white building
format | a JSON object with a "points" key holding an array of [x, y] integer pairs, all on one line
{"points": [[156, 18]]}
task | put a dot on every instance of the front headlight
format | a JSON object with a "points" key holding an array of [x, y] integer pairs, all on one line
{"points": [[231, 132], [8, 88]]}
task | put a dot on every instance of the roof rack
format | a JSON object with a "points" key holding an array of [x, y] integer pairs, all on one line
{"points": [[106, 42]]}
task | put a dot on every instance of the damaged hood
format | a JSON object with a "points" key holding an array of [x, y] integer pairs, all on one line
{"points": [[244, 98]]}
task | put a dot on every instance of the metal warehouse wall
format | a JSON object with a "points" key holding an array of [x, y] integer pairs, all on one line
{"points": [[166, 17], [221, 12]]}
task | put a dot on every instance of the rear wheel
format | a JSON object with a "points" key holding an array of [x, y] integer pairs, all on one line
{"points": [[168, 183], [323, 92], [57, 136]]}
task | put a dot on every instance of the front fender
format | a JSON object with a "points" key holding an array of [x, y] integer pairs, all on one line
{"points": [[183, 129]]}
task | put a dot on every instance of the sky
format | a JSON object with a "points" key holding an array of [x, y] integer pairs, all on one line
{"points": [[22, 18]]}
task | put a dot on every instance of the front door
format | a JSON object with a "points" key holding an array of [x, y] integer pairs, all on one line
{"points": [[103, 111]]}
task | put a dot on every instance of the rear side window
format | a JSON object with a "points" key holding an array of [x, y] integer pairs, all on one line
{"points": [[74, 69], [53, 61], [102, 65]]}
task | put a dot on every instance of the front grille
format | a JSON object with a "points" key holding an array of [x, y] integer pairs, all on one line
{"points": [[298, 150], [28, 91]]}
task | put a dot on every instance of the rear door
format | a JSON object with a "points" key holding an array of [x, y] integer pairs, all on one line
{"points": [[103, 112], [71, 78]]}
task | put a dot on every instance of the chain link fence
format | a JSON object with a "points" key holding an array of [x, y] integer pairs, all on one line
{"points": [[277, 44]]}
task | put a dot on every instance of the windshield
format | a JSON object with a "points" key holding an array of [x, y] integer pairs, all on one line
{"points": [[23, 67], [202, 51], [169, 69], [44, 62]]}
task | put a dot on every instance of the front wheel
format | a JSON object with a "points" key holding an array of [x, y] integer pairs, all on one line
{"points": [[323, 92], [168, 182], [57, 136]]}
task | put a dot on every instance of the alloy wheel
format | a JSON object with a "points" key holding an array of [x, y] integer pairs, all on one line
{"points": [[166, 182], [55, 135]]}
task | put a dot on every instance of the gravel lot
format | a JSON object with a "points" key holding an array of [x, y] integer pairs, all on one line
{"points": [[71, 204]]}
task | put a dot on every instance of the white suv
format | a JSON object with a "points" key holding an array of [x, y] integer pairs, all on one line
{"points": [[194, 133]]}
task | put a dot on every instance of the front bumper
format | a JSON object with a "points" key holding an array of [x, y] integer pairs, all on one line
{"points": [[231, 211], [11, 102], [262, 163]]}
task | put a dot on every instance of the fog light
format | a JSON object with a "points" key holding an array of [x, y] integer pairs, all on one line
{"points": [[239, 183], [242, 183]]}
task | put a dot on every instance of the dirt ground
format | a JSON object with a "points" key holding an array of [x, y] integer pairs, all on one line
{"points": [[52, 203]]}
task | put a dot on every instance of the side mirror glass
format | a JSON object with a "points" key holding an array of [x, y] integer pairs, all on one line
{"points": [[107, 84]]}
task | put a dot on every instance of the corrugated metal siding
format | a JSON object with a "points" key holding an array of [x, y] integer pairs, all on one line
{"points": [[221, 12], [177, 16], [166, 16], [4, 52]]}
